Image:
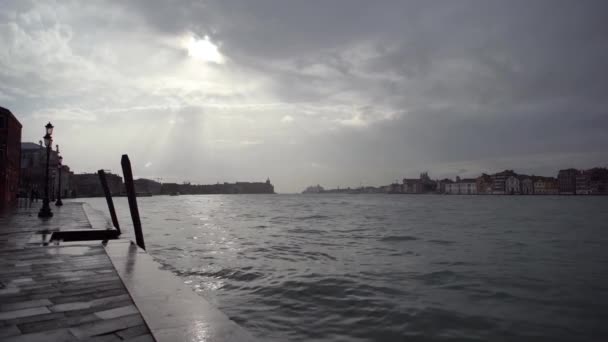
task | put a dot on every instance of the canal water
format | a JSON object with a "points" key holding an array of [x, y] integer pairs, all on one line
{"points": [[389, 267]]}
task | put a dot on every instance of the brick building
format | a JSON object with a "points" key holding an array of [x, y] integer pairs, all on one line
{"points": [[484, 184], [10, 158], [546, 186]]}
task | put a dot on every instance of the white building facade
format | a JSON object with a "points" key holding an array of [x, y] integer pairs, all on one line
{"points": [[462, 187], [512, 186]]}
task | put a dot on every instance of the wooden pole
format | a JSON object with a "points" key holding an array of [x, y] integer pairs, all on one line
{"points": [[130, 187], [106, 190]]}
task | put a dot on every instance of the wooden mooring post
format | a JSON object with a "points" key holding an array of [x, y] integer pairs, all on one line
{"points": [[106, 190], [130, 187]]}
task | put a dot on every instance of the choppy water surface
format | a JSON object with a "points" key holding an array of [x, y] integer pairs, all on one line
{"points": [[390, 268]]}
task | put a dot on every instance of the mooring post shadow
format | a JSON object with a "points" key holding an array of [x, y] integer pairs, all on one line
{"points": [[130, 187], [106, 190]]}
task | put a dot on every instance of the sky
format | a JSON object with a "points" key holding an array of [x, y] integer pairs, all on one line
{"points": [[337, 93]]}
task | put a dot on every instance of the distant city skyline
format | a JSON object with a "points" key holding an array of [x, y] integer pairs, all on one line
{"points": [[337, 93]]}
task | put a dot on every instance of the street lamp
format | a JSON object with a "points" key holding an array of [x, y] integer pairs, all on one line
{"points": [[59, 166], [49, 130], [45, 211]]}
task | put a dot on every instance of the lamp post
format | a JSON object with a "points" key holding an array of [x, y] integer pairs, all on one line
{"points": [[45, 211], [59, 167]]}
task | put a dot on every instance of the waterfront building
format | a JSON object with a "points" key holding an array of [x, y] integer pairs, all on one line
{"points": [[567, 181], [33, 168], [583, 183], [428, 185], [527, 185], [385, 189], [484, 184], [170, 188], [10, 158], [424, 184], [546, 186], [66, 181], [89, 185], [499, 181], [395, 188], [412, 186], [313, 189], [451, 188], [598, 181], [225, 188], [466, 186], [147, 186], [442, 184], [254, 187], [512, 185]]}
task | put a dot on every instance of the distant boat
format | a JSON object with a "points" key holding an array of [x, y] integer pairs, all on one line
{"points": [[174, 193]]}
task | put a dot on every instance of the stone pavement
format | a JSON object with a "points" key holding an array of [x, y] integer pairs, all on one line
{"points": [[68, 292], [17, 228]]}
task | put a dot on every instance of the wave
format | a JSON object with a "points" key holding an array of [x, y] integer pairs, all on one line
{"points": [[399, 238], [442, 277], [312, 217], [442, 242], [242, 274]]}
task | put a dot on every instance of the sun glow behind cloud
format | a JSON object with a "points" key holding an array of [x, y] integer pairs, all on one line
{"points": [[204, 50]]}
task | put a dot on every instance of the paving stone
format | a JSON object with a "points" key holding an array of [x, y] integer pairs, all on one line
{"points": [[60, 335], [109, 293], [110, 299], [34, 327], [62, 299], [105, 338], [142, 338], [63, 322], [36, 318], [70, 306], [22, 280], [117, 312], [23, 313], [9, 291], [14, 299], [105, 271], [104, 307], [10, 330], [48, 292], [106, 326], [133, 332], [25, 304], [45, 295]]}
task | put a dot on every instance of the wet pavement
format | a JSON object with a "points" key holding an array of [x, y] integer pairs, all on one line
{"points": [[68, 292], [89, 291]]}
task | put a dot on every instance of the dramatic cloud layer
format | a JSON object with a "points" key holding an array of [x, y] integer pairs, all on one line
{"points": [[307, 92]]}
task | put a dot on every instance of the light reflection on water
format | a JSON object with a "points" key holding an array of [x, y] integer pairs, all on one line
{"points": [[381, 267]]}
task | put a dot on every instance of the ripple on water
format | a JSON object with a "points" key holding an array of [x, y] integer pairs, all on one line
{"points": [[441, 242], [241, 275], [398, 238], [391, 268]]}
